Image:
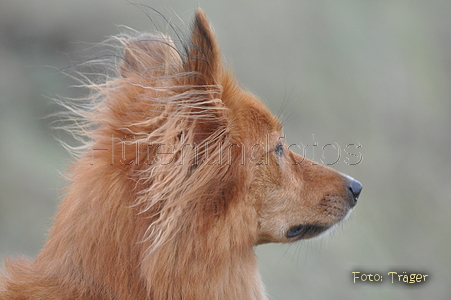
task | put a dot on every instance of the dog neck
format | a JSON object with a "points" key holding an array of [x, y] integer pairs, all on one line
{"points": [[198, 262]]}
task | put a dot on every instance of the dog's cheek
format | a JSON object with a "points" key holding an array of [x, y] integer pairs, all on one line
{"points": [[274, 213], [270, 230]]}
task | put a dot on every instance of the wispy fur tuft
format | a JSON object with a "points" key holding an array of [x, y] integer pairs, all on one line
{"points": [[155, 96]]}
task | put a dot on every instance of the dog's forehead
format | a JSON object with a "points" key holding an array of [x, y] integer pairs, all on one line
{"points": [[260, 116]]}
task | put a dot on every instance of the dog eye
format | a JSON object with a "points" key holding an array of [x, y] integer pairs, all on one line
{"points": [[279, 150]]}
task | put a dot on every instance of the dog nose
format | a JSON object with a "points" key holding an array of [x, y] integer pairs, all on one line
{"points": [[355, 187]]}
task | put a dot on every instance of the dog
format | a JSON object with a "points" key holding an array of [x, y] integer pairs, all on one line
{"points": [[185, 173]]}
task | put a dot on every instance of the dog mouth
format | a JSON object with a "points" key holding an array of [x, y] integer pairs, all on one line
{"points": [[305, 231]]}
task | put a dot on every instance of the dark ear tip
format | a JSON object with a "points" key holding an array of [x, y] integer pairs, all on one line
{"points": [[200, 14], [201, 20]]}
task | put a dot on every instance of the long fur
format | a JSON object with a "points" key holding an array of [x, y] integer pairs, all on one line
{"points": [[163, 203]]}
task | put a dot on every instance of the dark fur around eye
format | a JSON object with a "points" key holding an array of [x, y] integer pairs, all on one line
{"points": [[279, 150]]}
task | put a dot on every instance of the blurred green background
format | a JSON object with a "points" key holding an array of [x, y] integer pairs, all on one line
{"points": [[374, 73]]}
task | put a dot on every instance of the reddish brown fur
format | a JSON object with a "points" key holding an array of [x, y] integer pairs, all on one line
{"points": [[147, 225]]}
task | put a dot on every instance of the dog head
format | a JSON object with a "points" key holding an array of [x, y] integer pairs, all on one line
{"points": [[211, 151]]}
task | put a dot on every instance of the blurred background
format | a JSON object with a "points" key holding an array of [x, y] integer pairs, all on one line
{"points": [[342, 74]]}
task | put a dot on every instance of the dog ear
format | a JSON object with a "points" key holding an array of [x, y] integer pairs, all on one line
{"points": [[156, 55], [204, 58], [203, 69], [149, 56]]}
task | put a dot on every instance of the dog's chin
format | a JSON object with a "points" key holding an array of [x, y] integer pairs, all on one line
{"points": [[306, 231]]}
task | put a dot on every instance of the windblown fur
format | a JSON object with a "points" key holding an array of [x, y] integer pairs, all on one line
{"points": [[171, 193]]}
